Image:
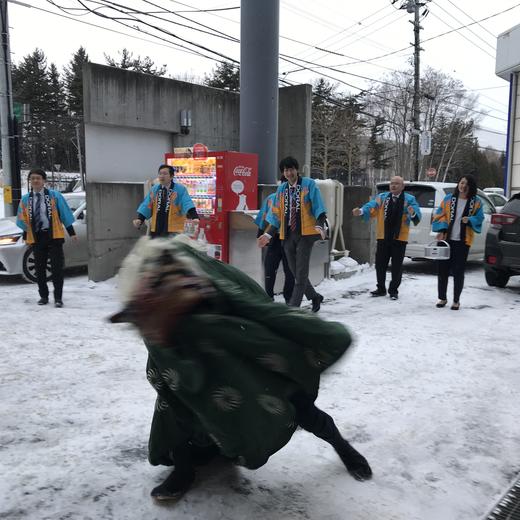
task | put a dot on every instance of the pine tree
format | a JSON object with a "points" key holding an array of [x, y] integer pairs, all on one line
{"points": [[127, 61], [226, 76], [73, 75], [31, 85]]}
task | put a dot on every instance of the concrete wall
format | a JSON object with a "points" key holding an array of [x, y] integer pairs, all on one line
{"points": [[359, 236], [109, 228], [132, 119], [134, 153]]}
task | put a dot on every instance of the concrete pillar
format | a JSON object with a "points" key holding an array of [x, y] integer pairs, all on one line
{"points": [[259, 34]]}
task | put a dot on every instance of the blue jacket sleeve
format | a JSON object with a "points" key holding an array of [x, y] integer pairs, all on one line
{"points": [[262, 214], [440, 217], [475, 221], [316, 201], [372, 205], [66, 216], [412, 201], [20, 222], [145, 208], [273, 215]]}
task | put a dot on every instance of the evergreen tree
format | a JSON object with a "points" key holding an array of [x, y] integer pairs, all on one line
{"points": [[226, 76], [127, 61], [31, 85], [377, 148], [73, 78]]}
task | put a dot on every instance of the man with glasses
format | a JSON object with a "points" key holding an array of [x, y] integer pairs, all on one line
{"points": [[42, 215]]}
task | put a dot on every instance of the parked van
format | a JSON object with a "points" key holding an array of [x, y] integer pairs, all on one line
{"points": [[429, 196]]}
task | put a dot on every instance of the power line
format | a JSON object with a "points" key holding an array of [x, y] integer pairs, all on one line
{"points": [[462, 35], [286, 58], [171, 45], [471, 18]]}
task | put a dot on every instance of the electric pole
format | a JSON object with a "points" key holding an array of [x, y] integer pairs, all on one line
{"points": [[414, 6]]}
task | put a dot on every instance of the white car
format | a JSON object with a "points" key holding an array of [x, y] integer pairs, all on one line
{"points": [[429, 196], [497, 199], [16, 257]]}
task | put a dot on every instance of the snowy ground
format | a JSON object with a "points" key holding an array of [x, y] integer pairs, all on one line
{"points": [[430, 396]]}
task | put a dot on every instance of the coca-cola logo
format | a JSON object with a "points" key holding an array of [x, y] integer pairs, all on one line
{"points": [[242, 171]]}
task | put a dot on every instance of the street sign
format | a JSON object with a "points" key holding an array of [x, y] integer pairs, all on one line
{"points": [[426, 142], [431, 172]]}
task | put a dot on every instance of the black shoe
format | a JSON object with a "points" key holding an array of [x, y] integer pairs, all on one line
{"points": [[378, 292], [394, 296], [316, 303], [441, 303], [175, 485], [43, 301], [58, 303], [455, 306], [355, 463]]}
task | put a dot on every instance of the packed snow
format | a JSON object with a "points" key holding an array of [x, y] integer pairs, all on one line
{"points": [[430, 396]]}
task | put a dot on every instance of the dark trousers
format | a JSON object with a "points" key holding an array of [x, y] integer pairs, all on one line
{"points": [[297, 249], [47, 248], [456, 265], [314, 420], [273, 255], [385, 251]]}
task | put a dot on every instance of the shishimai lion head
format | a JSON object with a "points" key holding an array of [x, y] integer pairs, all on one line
{"points": [[159, 282]]}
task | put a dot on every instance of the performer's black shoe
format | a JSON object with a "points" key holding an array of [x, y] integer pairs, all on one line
{"points": [[175, 485], [316, 302], [378, 292], [394, 296], [43, 301], [355, 463], [58, 304], [441, 303]]}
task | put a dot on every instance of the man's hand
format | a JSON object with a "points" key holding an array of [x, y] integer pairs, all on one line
{"points": [[137, 222], [441, 236], [465, 220], [74, 238], [411, 211], [263, 240], [357, 212], [321, 231]]}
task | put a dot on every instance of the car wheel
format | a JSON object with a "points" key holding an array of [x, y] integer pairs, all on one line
{"points": [[29, 267], [496, 278]]}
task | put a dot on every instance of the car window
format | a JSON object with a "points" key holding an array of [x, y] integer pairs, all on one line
{"points": [[497, 200], [425, 195], [513, 206], [486, 206], [75, 202]]}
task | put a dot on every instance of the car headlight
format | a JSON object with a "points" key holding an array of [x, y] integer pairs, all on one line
{"points": [[9, 239]]}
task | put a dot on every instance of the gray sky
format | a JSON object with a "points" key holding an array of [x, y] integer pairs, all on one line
{"points": [[359, 32]]}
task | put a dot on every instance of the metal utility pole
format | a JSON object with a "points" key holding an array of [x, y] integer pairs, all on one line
{"points": [[10, 164], [80, 159], [414, 6], [259, 35]]}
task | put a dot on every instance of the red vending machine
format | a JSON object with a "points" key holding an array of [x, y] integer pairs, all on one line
{"points": [[218, 182]]}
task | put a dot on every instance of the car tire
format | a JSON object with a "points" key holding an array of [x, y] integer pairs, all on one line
{"points": [[29, 267], [496, 278]]}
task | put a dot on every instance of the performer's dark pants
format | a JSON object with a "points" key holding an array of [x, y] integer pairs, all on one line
{"points": [[314, 420], [48, 248], [385, 251], [298, 250], [273, 255], [456, 265]]}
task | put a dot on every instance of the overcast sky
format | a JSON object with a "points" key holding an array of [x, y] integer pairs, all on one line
{"points": [[354, 30]]}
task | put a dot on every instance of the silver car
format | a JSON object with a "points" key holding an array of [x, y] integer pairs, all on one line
{"points": [[17, 258]]}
